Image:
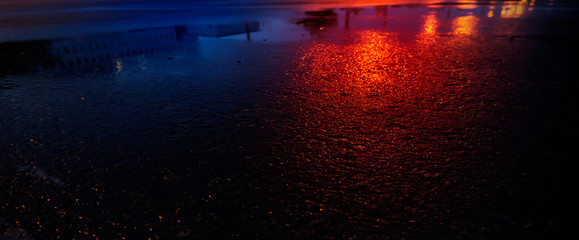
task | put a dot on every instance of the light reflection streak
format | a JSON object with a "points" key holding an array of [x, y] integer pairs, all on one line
{"points": [[118, 66], [465, 25], [428, 33], [513, 11], [517, 10], [430, 25]]}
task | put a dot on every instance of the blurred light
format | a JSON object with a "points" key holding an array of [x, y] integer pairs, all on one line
{"points": [[119, 66], [430, 25], [513, 11], [428, 33], [464, 25]]}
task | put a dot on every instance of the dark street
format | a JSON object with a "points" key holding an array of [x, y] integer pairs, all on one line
{"points": [[288, 120]]}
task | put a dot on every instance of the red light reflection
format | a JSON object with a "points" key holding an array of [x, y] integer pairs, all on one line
{"points": [[375, 116], [367, 99], [372, 63]]}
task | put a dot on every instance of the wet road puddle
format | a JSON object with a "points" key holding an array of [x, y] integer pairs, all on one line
{"points": [[289, 121]]}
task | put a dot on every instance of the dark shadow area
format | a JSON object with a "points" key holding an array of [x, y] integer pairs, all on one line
{"points": [[24, 57], [317, 21]]}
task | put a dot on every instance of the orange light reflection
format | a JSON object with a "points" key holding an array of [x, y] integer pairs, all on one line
{"points": [[513, 11], [428, 33], [430, 25], [465, 25]]}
